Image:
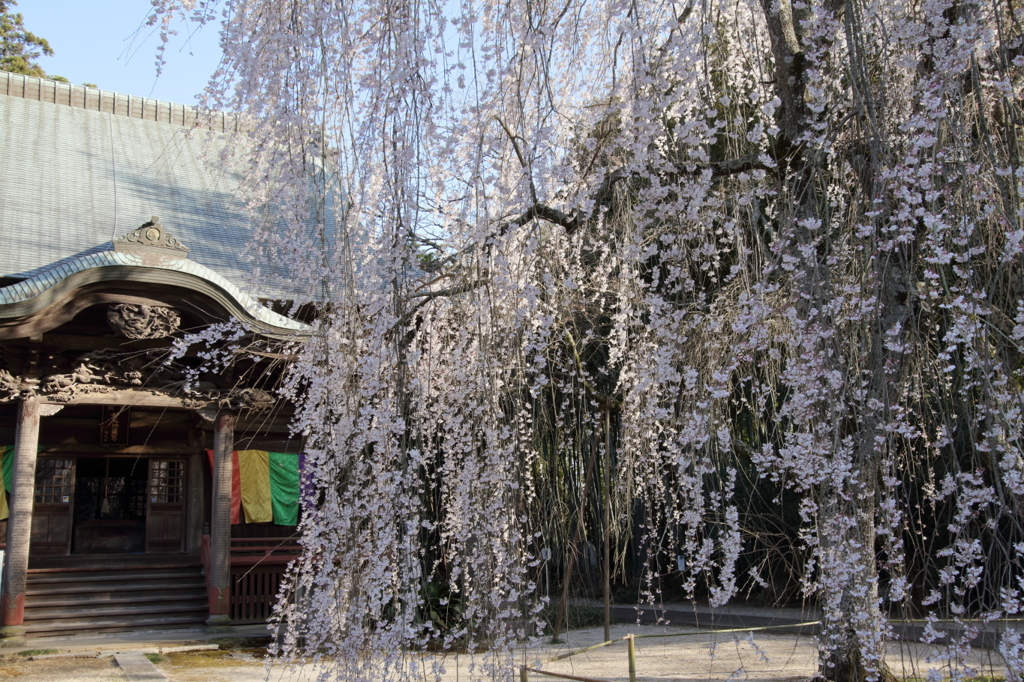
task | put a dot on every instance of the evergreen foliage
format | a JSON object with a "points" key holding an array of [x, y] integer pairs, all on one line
{"points": [[19, 47]]}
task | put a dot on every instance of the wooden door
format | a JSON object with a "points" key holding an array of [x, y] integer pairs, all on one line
{"points": [[165, 506], [54, 501]]}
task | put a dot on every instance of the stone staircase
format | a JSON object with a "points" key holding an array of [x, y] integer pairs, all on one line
{"points": [[72, 601]]}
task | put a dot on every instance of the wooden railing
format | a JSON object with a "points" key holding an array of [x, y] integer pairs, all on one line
{"points": [[257, 566]]}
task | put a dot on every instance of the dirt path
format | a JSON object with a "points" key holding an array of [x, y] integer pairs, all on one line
{"points": [[694, 656], [61, 670]]}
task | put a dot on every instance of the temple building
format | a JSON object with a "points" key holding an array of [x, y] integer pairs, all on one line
{"points": [[141, 488]]}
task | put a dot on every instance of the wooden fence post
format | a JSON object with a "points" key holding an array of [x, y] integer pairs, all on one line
{"points": [[631, 652]]}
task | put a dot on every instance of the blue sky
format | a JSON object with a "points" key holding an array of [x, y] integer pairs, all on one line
{"points": [[93, 43]]}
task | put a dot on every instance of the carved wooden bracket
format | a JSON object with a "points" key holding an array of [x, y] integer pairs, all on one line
{"points": [[137, 321], [10, 386], [106, 371], [246, 399]]}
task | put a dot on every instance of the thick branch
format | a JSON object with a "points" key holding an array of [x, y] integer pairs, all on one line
{"points": [[450, 291], [547, 213], [606, 402], [789, 65], [727, 168], [603, 193], [427, 296]]}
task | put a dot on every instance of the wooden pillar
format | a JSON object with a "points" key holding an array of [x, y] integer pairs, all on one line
{"points": [[220, 520], [19, 524]]}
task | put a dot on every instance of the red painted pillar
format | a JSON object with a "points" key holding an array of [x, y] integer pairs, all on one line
{"points": [[19, 524], [220, 520]]}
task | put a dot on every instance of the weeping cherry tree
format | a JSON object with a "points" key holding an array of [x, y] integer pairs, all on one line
{"points": [[641, 245]]}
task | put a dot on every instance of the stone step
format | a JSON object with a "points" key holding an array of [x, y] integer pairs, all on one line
{"points": [[58, 578], [133, 588], [147, 610], [53, 628], [74, 600], [137, 668]]}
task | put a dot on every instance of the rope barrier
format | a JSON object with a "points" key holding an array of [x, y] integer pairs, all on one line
{"points": [[524, 672], [708, 632]]}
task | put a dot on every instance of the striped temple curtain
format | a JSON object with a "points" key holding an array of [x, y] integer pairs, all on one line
{"points": [[264, 486], [7, 464]]}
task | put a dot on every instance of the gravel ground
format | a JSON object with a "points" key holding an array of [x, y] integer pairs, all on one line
{"points": [[694, 656], [60, 670]]}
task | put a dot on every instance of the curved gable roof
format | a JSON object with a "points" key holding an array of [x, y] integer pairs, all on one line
{"points": [[75, 178], [83, 167], [35, 294]]}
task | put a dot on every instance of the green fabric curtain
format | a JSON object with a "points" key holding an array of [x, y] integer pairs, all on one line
{"points": [[7, 459], [284, 488], [7, 464]]}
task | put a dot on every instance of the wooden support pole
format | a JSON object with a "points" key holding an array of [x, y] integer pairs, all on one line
{"points": [[219, 585], [19, 524], [631, 653], [606, 571]]}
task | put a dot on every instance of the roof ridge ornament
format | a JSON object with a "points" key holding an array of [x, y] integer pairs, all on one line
{"points": [[151, 237]]}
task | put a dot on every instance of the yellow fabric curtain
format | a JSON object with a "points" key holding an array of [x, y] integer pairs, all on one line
{"points": [[254, 467]]}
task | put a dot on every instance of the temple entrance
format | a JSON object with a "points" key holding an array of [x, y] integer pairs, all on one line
{"points": [[165, 510], [51, 514], [109, 505]]}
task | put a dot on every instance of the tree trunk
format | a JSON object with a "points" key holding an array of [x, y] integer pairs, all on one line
{"points": [[852, 622], [570, 561], [852, 639]]}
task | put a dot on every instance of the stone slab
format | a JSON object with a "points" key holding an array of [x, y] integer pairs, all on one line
{"points": [[138, 668]]}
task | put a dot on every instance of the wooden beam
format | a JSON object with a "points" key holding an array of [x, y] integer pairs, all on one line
{"points": [[84, 342], [159, 449], [131, 397], [57, 312], [293, 445], [142, 418]]}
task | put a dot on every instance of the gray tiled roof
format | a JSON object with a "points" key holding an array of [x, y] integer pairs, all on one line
{"points": [[28, 289], [73, 178]]}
